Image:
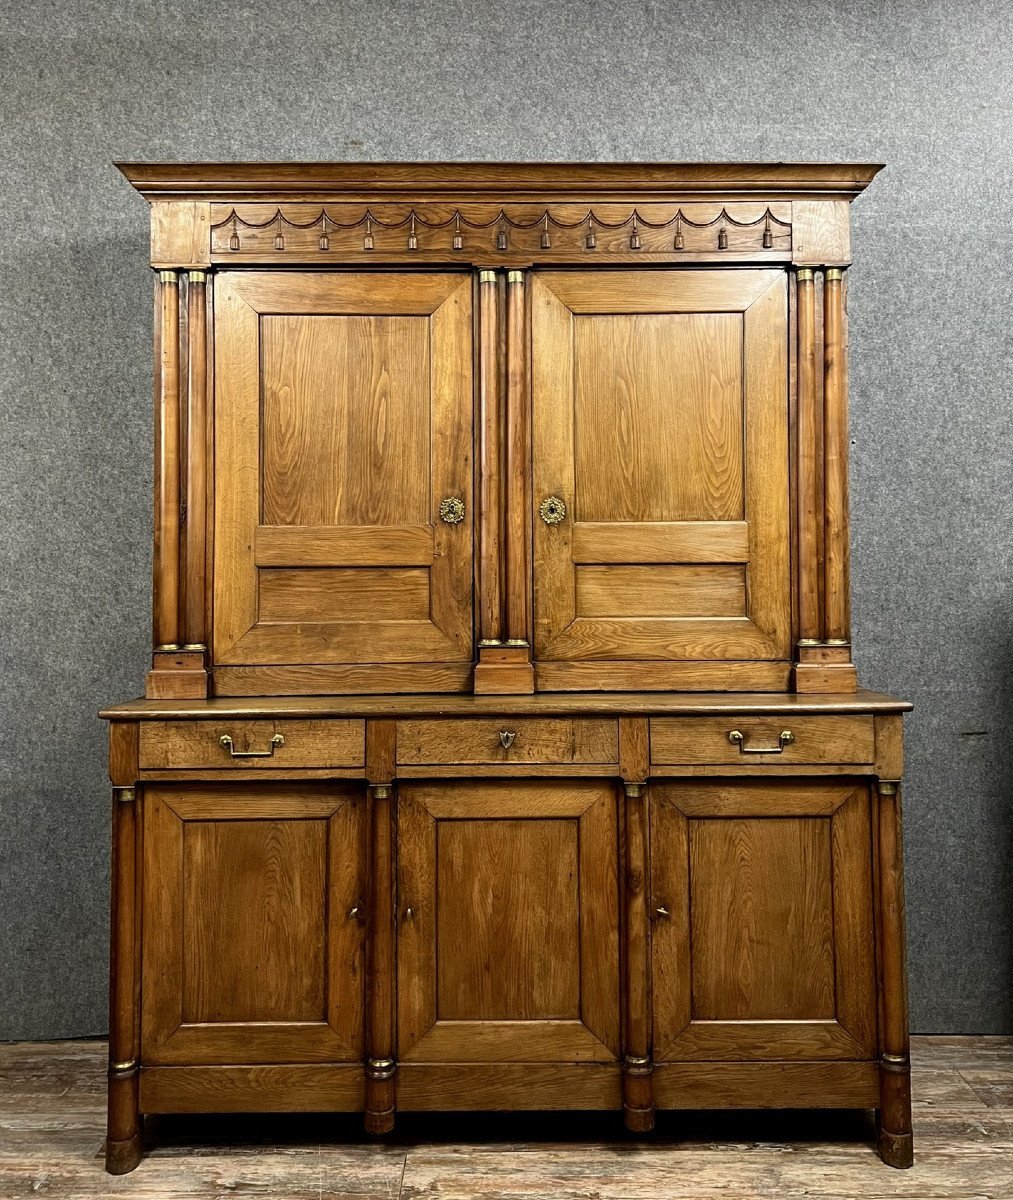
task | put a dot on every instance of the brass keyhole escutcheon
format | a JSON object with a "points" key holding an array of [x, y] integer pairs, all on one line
{"points": [[552, 510], [452, 510], [506, 738]]}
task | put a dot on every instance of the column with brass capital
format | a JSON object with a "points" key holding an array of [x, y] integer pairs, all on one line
{"points": [[504, 651], [896, 1143], [823, 650], [380, 1019], [123, 1136], [638, 1070], [181, 481]]}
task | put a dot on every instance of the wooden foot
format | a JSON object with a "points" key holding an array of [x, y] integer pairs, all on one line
{"points": [[638, 1120], [379, 1122], [895, 1149], [638, 1094], [122, 1157], [380, 1100]]}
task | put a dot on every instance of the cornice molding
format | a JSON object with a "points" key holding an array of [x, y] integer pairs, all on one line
{"points": [[506, 182]]}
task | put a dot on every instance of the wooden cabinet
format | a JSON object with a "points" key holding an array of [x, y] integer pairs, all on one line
{"points": [[660, 403], [252, 927], [342, 459], [502, 746], [763, 944], [508, 922]]}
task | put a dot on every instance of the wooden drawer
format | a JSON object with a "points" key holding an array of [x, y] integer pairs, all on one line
{"points": [[198, 744], [706, 740], [507, 740]]}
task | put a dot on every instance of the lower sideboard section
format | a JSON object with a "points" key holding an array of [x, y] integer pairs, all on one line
{"points": [[628, 931]]}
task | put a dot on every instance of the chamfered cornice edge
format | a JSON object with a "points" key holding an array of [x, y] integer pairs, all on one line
{"points": [[497, 181]]}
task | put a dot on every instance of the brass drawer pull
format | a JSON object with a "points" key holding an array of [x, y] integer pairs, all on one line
{"points": [[552, 510], [738, 739], [507, 737], [227, 743], [452, 511]]}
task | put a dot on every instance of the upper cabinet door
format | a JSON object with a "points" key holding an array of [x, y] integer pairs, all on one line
{"points": [[661, 424], [343, 420]]}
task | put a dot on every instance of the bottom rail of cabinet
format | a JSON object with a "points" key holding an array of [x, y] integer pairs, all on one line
{"points": [[423, 1087]]}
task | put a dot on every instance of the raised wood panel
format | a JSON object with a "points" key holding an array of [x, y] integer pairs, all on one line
{"points": [[251, 949], [508, 923], [345, 425], [763, 943], [829, 739], [660, 406], [532, 741], [658, 398], [350, 594], [343, 546], [660, 591], [343, 420], [268, 870], [197, 744], [498, 963], [761, 919], [661, 542]]}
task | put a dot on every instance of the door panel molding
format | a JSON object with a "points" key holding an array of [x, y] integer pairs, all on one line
{"points": [[825, 897], [245, 544], [513, 818], [759, 541]]}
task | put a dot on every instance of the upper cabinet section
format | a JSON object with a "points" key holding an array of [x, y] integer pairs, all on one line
{"points": [[502, 428], [660, 437], [343, 475]]}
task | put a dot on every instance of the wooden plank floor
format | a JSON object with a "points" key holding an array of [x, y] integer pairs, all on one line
{"points": [[51, 1126]]}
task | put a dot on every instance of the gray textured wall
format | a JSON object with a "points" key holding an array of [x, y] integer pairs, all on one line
{"points": [[924, 86]]}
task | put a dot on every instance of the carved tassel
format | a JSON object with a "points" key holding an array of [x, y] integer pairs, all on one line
{"points": [[367, 241], [413, 241], [234, 239], [325, 241], [546, 241], [634, 236], [458, 239], [590, 241], [722, 238], [680, 243], [768, 237], [279, 237], [501, 238]]}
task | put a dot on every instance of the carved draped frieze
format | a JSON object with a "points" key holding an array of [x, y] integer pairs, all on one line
{"points": [[301, 232]]}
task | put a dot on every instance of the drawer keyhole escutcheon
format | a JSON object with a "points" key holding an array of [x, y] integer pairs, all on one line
{"points": [[226, 742], [507, 737], [737, 738]]}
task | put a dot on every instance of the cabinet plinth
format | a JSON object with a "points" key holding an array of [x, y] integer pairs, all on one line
{"points": [[502, 747]]}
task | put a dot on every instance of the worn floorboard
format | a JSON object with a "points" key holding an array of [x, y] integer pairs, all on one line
{"points": [[51, 1126]]}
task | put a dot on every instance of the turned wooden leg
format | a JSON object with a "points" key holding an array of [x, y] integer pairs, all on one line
{"points": [[896, 1144], [123, 1137], [638, 1089], [380, 1065]]}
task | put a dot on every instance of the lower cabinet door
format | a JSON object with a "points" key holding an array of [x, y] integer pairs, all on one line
{"points": [[508, 922], [252, 923], [763, 943]]}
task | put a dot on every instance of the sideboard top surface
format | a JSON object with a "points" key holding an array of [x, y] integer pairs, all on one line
{"points": [[514, 181], [541, 704]]}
